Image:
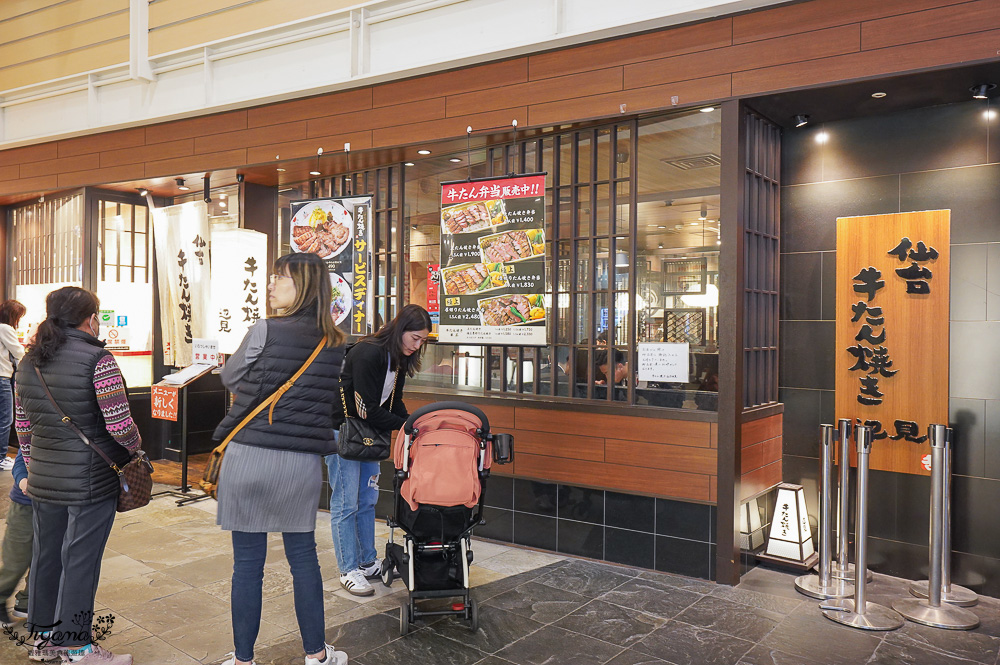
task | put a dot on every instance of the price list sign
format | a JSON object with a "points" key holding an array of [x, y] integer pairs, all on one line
{"points": [[492, 274]]}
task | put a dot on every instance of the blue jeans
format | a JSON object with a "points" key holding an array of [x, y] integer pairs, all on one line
{"points": [[249, 552], [6, 412], [353, 494]]}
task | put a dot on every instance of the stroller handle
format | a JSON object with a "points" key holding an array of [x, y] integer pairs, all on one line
{"points": [[441, 406]]}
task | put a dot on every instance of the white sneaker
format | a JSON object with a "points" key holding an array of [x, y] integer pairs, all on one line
{"points": [[232, 660], [6, 464], [374, 570], [356, 584], [332, 658]]}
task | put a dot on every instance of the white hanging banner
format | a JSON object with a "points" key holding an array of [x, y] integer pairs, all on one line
{"points": [[239, 285], [181, 235]]}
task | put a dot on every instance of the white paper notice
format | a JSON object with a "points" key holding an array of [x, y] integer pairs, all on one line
{"points": [[663, 361], [205, 351]]}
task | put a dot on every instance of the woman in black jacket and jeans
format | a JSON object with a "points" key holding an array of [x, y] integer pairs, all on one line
{"points": [[372, 380]]}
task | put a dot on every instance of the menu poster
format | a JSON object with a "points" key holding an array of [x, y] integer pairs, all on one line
{"points": [[338, 230], [492, 275]]}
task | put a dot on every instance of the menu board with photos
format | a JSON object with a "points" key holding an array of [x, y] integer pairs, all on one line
{"points": [[492, 274], [338, 230]]}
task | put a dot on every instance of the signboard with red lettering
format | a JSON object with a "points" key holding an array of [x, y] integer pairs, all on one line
{"points": [[164, 402], [492, 276]]}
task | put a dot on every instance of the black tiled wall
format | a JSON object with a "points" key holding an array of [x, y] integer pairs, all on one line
{"points": [[933, 158], [662, 534]]}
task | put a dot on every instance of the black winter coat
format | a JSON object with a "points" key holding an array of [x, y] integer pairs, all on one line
{"points": [[363, 379], [63, 469], [303, 419]]}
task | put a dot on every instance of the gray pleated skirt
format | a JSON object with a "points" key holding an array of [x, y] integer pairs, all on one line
{"points": [[261, 489]]}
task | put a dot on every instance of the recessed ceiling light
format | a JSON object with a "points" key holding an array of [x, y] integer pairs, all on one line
{"points": [[718, 242], [423, 152], [661, 245], [408, 164], [661, 227], [694, 223], [878, 95], [314, 173], [281, 170], [222, 204], [454, 160], [707, 109], [143, 191]]}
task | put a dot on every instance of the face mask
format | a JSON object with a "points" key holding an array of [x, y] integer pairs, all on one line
{"points": [[91, 324]]}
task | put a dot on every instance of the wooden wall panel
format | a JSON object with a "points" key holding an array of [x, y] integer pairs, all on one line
{"points": [[794, 48], [757, 481], [880, 62], [389, 116], [755, 431], [204, 126], [685, 39], [79, 163], [483, 77], [204, 162], [676, 432], [662, 456], [147, 153], [288, 131], [538, 92], [307, 148], [931, 24], [568, 445], [818, 14], [436, 130], [126, 138], [311, 107], [620, 477]]}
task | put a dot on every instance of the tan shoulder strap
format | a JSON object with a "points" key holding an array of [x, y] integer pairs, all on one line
{"points": [[273, 399]]}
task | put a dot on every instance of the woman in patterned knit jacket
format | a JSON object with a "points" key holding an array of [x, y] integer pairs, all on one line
{"points": [[73, 490]]}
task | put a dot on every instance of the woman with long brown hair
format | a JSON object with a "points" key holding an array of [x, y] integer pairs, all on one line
{"points": [[272, 470], [374, 374]]}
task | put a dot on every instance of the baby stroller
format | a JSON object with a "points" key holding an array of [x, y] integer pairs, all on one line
{"points": [[442, 458]]}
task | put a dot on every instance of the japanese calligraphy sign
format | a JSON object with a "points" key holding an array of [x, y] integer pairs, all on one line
{"points": [[164, 402], [492, 275], [892, 331], [181, 235], [339, 230], [239, 286]]}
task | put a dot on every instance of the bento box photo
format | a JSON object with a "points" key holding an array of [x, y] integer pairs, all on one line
{"points": [[512, 310], [473, 278], [512, 246], [475, 216]]}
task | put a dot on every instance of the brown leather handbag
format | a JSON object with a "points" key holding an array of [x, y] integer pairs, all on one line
{"points": [[135, 477], [210, 479]]}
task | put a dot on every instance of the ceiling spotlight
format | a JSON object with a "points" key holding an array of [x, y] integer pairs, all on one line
{"points": [[423, 152], [143, 191], [222, 204], [878, 95], [980, 89], [454, 160], [707, 109], [704, 213], [407, 163], [280, 170], [801, 120], [661, 245], [180, 184]]}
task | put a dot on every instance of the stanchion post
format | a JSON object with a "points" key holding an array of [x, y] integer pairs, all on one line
{"points": [[931, 612], [859, 613], [950, 593], [842, 569], [825, 585]]}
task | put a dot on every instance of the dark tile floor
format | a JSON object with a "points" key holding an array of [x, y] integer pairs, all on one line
{"points": [[577, 612]]}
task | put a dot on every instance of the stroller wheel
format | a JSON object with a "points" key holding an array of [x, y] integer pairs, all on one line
{"points": [[404, 619], [473, 615], [387, 572]]}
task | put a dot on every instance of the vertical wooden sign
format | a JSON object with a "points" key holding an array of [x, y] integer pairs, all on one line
{"points": [[892, 339]]}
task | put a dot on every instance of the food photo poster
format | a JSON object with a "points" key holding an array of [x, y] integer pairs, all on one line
{"points": [[338, 230], [492, 275]]}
